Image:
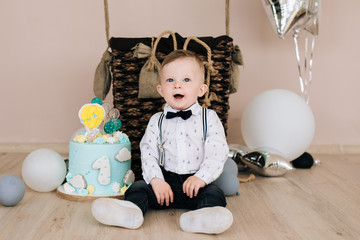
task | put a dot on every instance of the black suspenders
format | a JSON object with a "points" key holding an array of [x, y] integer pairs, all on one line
{"points": [[160, 146]]}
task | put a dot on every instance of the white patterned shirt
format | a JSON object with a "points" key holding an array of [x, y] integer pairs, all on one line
{"points": [[185, 150]]}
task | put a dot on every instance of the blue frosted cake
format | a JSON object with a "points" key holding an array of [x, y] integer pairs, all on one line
{"points": [[99, 156]]}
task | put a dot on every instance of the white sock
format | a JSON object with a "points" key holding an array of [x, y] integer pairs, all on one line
{"points": [[116, 212], [211, 220]]}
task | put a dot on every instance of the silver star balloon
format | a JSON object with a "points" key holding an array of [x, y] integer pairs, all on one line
{"points": [[236, 151], [267, 164], [287, 15]]}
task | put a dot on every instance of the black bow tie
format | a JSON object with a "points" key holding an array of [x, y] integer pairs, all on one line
{"points": [[183, 114]]}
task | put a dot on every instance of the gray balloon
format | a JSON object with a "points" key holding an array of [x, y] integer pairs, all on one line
{"points": [[12, 190], [228, 182], [231, 166]]}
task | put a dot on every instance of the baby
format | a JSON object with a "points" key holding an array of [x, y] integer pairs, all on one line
{"points": [[183, 151]]}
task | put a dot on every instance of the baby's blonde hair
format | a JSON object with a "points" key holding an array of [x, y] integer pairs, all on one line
{"points": [[181, 53]]}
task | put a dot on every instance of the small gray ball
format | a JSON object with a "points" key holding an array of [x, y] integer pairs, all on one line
{"points": [[12, 190]]}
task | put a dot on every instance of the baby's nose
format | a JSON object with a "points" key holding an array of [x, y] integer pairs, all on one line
{"points": [[177, 84]]}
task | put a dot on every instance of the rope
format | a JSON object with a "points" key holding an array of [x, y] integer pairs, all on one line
{"points": [[227, 17], [249, 179], [211, 71], [152, 59], [107, 24]]}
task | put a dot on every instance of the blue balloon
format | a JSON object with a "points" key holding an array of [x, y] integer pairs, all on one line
{"points": [[231, 166], [109, 127], [116, 122], [97, 100], [12, 190], [228, 182]]}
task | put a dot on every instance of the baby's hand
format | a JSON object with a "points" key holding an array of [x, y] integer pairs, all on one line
{"points": [[192, 185], [162, 191]]}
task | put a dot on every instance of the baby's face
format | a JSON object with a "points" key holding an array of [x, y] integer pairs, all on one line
{"points": [[182, 82]]}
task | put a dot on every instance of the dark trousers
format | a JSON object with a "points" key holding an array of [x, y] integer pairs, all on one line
{"points": [[142, 194]]}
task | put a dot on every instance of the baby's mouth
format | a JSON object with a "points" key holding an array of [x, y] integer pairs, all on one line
{"points": [[178, 96]]}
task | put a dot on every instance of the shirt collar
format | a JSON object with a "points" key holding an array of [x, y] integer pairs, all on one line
{"points": [[195, 109]]}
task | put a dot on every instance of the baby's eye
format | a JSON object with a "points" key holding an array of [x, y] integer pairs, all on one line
{"points": [[186, 79], [169, 80]]}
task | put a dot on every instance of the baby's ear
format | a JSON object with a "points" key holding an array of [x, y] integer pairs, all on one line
{"points": [[203, 89], [159, 89]]}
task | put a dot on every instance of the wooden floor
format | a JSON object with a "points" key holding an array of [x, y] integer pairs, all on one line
{"points": [[318, 203]]}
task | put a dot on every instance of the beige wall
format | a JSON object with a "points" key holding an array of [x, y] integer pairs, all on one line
{"points": [[50, 49]]}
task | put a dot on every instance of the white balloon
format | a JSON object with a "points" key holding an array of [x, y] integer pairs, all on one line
{"points": [[280, 122], [43, 170]]}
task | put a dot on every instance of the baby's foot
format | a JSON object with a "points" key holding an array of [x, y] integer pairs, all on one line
{"points": [[210, 220], [116, 212]]}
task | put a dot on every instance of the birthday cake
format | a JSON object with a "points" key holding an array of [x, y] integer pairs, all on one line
{"points": [[99, 155]]}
